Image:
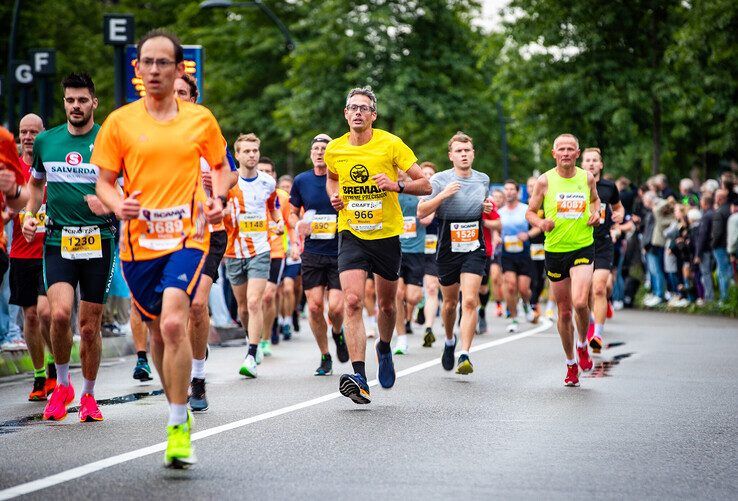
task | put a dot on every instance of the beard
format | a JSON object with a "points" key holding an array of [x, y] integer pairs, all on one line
{"points": [[79, 122]]}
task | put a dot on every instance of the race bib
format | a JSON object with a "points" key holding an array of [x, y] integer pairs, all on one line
{"points": [[513, 244], [537, 253], [323, 227], [164, 227], [464, 237], [431, 242], [409, 227], [81, 242], [602, 214], [365, 215], [252, 225], [570, 205]]}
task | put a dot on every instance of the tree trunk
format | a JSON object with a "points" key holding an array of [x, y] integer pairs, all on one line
{"points": [[656, 136]]}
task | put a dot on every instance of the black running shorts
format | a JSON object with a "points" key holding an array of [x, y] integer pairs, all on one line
{"points": [[412, 269], [604, 251], [558, 264], [381, 256], [23, 274], [320, 271], [93, 275]]}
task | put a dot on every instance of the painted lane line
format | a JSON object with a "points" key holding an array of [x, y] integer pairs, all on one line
{"points": [[87, 469]]}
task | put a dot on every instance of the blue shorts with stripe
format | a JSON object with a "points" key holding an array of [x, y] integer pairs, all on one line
{"points": [[147, 280]]}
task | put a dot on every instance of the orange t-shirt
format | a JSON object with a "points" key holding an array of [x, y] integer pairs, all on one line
{"points": [[277, 242], [162, 160]]}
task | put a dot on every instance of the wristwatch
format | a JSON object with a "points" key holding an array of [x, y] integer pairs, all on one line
{"points": [[400, 186]]}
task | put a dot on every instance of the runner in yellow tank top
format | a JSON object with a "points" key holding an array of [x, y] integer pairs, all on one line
{"points": [[568, 196]]}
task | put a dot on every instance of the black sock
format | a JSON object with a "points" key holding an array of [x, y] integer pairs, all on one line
{"points": [[359, 368], [252, 349], [383, 347], [483, 299], [142, 355]]}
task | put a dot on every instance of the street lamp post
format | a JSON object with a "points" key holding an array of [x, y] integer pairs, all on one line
{"points": [[11, 55], [224, 4]]}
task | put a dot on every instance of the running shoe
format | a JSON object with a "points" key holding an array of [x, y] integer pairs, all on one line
{"points": [[180, 454], [512, 326], [142, 371], [50, 385], [56, 407], [198, 399], [385, 368], [88, 409], [482, 325], [38, 394], [609, 310], [590, 330], [464, 366], [286, 332], [326, 366], [549, 313], [275, 334], [535, 314], [401, 348], [429, 338], [248, 367], [408, 328], [498, 310], [572, 375], [259, 354], [596, 344], [354, 387], [420, 318], [266, 348], [585, 362], [447, 359], [341, 347]]}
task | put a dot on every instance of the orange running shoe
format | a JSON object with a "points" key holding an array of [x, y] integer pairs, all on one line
{"points": [[596, 344], [585, 362], [56, 407], [38, 394], [572, 375], [609, 310], [498, 310], [50, 385], [88, 409]]}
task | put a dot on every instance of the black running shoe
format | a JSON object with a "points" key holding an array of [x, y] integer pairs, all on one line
{"points": [[447, 359], [420, 319], [198, 400], [429, 338], [354, 387], [326, 366], [51, 371], [341, 348], [275, 333]]}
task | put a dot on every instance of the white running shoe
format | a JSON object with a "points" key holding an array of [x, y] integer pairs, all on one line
{"points": [[259, 354], [512, 326], [248, 367]]}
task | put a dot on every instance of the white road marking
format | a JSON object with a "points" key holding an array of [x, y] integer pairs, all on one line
{"points": [[81, 471]]}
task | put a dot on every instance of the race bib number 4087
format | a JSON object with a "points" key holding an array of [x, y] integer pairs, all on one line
{"points": [[570, 205]]}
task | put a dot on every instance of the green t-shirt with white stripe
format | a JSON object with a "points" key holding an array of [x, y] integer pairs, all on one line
{"points": [[64, 161]]}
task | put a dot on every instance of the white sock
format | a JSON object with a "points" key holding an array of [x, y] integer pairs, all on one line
{"points": [[283, 320], [402, 340], [450, 342], [62, 374], [177, 414], [598, 329], [571, 362], [581, 344], [464, 352], [550, 305], [198, 368], [372, 320], [88, 386]]}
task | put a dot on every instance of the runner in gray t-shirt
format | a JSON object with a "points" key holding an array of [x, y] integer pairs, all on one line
{"points": [[459, 198]]}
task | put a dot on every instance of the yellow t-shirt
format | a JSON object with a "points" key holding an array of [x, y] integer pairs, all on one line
{"points": [[369, 213]]}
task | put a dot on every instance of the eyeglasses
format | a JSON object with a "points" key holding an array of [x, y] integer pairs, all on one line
{"points": [[147, 63], [353, 108]]}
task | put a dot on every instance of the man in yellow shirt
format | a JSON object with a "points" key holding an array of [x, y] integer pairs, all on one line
{"points": [[363, 186]]}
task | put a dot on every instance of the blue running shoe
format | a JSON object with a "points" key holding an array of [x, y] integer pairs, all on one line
{"points": [[354, 386], [286, 332], [142, 372], [447, 359], [385, 368]]}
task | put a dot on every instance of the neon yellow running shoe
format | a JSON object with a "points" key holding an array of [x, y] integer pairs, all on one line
{"points": [[180, 454], [465, 366]]}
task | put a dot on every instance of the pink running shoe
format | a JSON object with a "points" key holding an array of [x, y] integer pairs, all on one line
{"points": [[585, 362], [56, 407], [88, 409], [572, 375]]}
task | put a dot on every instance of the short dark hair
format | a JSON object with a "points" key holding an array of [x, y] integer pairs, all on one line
{"points": [[79, 81], [190, 81], [161, 32], [267, 160], [510, 181]]}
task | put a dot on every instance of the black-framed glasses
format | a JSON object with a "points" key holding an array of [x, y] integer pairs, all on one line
{"points": [[148, 62], [353, 108]]}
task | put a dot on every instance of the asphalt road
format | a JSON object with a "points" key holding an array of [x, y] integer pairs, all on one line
{"points": [[658, 419]]}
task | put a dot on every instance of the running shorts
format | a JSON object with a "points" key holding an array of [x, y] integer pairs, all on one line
{"points": [[241, 270], [412, 269], [320, 271], [276, 270], [604, 251], [431, 265], [382, 256], [520, 263], [23, 274], [452, 265], [93, 275], [558, 264]]}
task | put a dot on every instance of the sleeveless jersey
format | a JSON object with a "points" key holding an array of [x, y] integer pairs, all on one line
{"points": [[567, 204]]}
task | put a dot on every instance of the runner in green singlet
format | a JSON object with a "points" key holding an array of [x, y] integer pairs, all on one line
{"points": [[571, 207]]}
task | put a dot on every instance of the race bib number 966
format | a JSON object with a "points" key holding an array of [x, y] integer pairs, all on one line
{"points": [[365, 215]]}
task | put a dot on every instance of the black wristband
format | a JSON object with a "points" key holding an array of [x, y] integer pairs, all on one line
{"points": [[223, 200]]}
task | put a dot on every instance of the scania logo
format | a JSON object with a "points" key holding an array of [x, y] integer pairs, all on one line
{"points": [[74, 158], [359, 174]]}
